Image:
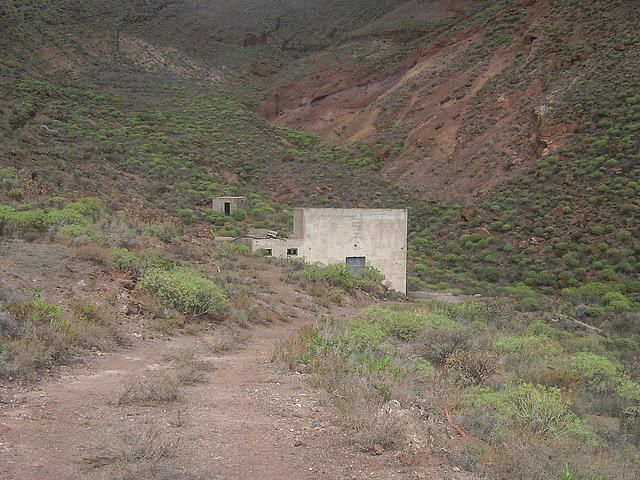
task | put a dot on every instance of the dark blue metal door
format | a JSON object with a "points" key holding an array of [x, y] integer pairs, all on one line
{"points": [[356, 264]]}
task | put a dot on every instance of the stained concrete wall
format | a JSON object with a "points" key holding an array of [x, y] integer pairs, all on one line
{"points": [[234, 202], [278, 247], [330, 235]]}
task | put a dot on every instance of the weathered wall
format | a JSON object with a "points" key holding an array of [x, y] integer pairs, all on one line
{"points": [[330, 235], [278, 246], [236, 202]]}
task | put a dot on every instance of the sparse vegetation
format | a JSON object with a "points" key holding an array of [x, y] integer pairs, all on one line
{"points": [[35, 334], [334, 280], [525, 387], [137, 454], [150, 388]]}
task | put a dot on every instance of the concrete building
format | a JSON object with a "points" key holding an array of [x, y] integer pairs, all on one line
{"points": [[227, 205], [358, 237]]}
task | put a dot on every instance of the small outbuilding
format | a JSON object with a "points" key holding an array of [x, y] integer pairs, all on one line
{"points": [[227, 205]]}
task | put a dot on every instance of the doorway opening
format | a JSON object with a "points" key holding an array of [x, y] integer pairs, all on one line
{"points": [[356, 265]]}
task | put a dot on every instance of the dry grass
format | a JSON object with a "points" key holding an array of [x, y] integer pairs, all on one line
{"points": [[373, 422], [287, 353], [37, 336], [161, 318], [472, 367], [248, 310], [97, 328], [519, 457], [150, 388], [92, 252], [27, 355], [189, 369], [227, 341], [138, 455]]}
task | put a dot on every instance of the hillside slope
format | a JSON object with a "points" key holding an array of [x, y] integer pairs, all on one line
{"points": [[523, 113], [473, 103]]}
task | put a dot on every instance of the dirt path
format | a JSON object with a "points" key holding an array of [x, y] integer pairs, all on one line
{"points": [[247, 420]]}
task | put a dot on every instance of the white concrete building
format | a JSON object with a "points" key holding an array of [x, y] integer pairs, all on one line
{"points": [[358, 237]]}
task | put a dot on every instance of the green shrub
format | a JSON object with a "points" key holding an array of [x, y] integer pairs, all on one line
{"points": [[42, 312], [617, 301], [8, 177], [542, 411], [163, 231], [544, 278], [87, 208], [402, 323], [81, 231], [230, 250], [12, 220], [596, 293], [371, 280], [571, 259], [216, 218], [184, 289], [239, 215], [528, 346], [540, 328], [187, 215], [228, 231], [339, 275], [149, 260], [122, 258], [16, 193], [624, 235], [597, 371], [16, 221], [539, 410]]}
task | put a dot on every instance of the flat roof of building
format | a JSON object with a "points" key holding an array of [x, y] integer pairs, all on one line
{"points": [[328, 209]]}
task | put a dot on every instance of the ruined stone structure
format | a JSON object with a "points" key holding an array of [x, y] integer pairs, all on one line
{"points": [[358, 237], [227, 205]]}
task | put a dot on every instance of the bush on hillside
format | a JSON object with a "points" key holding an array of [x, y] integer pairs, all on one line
{"points": [[122, 258], [600, 294], [125, 260], [185, 290], [536, 409], [17, 221]]}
